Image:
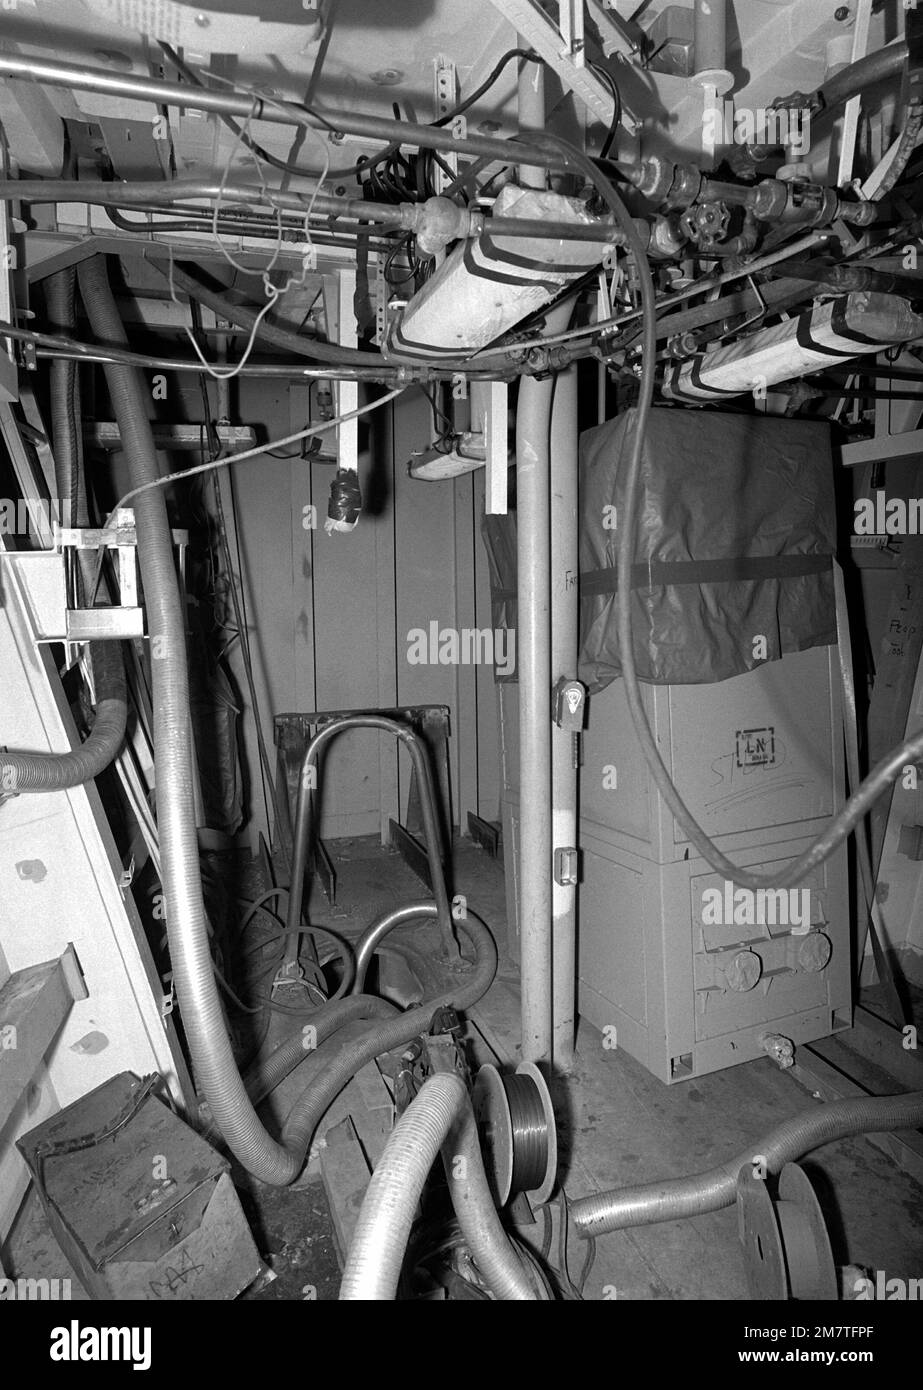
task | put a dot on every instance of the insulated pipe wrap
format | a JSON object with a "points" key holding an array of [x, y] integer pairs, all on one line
{"points": [[380, 1240], [644, 1204]]}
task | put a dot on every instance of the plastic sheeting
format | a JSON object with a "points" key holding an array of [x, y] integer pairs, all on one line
{"points": [[735, 531]]}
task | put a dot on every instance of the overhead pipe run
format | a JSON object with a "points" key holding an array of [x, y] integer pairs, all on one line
{"points": [[251, 106], [437, 220]]}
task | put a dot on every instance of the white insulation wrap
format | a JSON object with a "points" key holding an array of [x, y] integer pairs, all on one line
{"points": [[489, 284], [852, 326]]}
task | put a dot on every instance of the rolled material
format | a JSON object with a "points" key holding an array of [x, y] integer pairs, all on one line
{"points": [[493, 1252], [645, 1204], [373, 1267]]}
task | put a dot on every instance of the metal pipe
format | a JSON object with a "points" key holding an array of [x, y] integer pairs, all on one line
{"points": [[709, 36], [533, 567], [379, 1242], [675, 1198], [376, 932], [250, 105], [302, 833], [152, 196], [565, 622], [531, 102]]}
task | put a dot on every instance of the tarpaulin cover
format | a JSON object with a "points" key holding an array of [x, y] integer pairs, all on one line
{"points": [[734, 535]]}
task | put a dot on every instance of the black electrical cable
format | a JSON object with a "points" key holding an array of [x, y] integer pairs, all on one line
{"points": [[886, 771], [194, 80], [364, 165], [617, 109]]}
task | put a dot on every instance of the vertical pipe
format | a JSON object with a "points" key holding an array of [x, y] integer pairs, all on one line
{"points": [[533, 568], [565, 618], [533, 565], [531, 114], [709, 35]]}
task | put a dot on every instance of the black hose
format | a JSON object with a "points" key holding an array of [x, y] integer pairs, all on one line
{"points": [[310, 1108], [66, 414], [265, 1074], [52, 772], [879, 66]]}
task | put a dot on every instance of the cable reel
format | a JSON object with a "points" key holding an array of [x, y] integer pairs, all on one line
{"points": [[786, 1245], [518, 1134]]}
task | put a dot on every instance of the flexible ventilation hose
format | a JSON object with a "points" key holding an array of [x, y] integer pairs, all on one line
{"points": [[52, 772], [494, 1254], [187, 929], [644, 1204], [212, 1057], [379, 1243], [263, 1076]]}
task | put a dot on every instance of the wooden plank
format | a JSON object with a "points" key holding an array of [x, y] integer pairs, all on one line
{"points": [[888, 446], [346, 1174], [373, 1116], [881, 1043], [826, 1082], [33, 1005]]}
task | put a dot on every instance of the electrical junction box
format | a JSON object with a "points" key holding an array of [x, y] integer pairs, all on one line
{"points": [[139, 1203], [668, 967]]}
